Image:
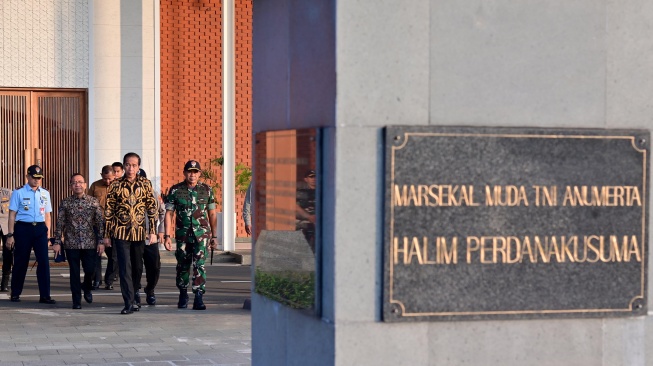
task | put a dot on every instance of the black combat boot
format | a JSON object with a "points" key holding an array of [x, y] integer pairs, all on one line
{"points": [[5, 283], [198, 304], [183, 299]]}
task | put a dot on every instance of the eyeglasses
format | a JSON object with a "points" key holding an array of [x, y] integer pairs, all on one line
{"points": [[73, 183]]}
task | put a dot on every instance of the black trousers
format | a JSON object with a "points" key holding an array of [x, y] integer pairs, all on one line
{"points": [[130, 267], [112, 265], [26, 238], [7, 255], [87, 257], [152, 261], [97, 274]]}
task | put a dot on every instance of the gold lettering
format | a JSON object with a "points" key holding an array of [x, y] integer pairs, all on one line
{"points": [[635, 197], [576, 257], [521, 197], [423, 197], [447, 256], [425, 250], [509, 244], [607, 196], [543, 250], [452, 196], [603, 250], [597, 196], [578, 197], [634, 249], [412, 197], [471, 249], [619, 193], [526, 247], [615, 252], [550, 196], [569, 199], [506, 196], [489, 200], [499, 249], [589, 244], [400, 196], [553, 249], [415, 251], [566, 251], [483, 249], [397, 250], [467, 196], [432, 193]]}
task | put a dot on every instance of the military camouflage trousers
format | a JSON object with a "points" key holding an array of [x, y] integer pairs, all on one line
{"points": [[190, 253]]}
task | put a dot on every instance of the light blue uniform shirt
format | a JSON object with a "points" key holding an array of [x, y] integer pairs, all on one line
{"points": [[30, 205]]}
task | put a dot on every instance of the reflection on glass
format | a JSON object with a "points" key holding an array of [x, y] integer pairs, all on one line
{"points": [[286, 214]]}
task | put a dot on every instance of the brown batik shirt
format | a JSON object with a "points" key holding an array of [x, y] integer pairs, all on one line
{"points": [[80, 222], [129, 204]]}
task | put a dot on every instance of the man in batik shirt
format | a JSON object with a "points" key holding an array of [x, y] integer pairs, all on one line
{"points": [[194, 204], [99, 190], [130, 202], [80, 222]]}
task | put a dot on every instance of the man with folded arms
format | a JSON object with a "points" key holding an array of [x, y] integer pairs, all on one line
{"points": [[80, 221], [29, 226], [130, 202]]}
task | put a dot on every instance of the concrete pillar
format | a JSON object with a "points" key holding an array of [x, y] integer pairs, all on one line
{"points": [[355, 67]]}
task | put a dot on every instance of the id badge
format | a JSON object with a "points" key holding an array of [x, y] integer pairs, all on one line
{"points": [[42, 211]]}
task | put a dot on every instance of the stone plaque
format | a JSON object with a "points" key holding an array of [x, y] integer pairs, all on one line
{"points": [[515, 223]]}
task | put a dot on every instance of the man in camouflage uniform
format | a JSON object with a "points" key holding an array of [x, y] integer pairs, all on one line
{"points": [[194, 205]]}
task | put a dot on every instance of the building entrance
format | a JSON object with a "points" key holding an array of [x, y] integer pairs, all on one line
{"points": [[45, 127]]}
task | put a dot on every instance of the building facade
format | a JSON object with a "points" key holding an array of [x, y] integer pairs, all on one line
{"points": [[82, 82]]}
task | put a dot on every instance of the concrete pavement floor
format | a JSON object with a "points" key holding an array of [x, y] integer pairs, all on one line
{"points": [[40, 334]]}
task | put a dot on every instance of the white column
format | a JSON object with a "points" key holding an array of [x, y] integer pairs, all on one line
{"points": [[228, 127], [157, 96]]}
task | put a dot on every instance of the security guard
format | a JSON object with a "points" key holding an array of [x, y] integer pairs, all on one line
{"points": [[29, 228]]}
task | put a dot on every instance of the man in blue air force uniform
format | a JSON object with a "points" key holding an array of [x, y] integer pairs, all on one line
{"points": [[29, 227]]}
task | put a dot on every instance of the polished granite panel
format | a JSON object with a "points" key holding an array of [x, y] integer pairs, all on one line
{"points": [[286, 217]]}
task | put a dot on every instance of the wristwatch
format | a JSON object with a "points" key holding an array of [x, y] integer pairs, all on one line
{"points": [[9, 235], [166, 236]]}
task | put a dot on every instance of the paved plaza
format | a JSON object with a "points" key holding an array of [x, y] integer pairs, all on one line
{"points": [[39, 334]]}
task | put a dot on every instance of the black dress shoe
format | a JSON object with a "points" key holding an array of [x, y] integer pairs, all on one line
{"points": [[108, 287], [150, 298], [15, 298], [127, 310], [88, 296], [137, 299], [47, 300], [96, 285], [77, 306], [4, 284]]}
